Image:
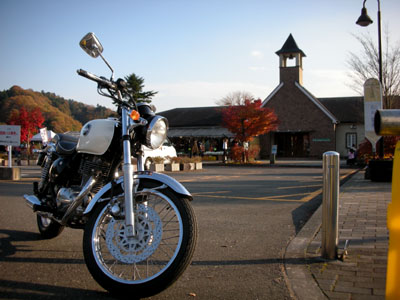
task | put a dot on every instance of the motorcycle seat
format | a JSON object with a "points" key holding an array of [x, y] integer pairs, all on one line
{"points": [[66, 144]]}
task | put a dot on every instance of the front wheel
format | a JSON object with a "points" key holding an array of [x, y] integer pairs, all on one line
{"points": [[149, 262], [48, 228]]}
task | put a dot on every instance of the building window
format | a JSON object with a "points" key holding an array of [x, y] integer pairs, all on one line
{"points": [[351, 139]]}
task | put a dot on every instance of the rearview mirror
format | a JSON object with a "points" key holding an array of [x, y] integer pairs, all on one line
{"points": [[91, 45]]}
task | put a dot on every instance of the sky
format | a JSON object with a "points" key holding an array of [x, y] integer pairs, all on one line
{"points": [[192, 52]]}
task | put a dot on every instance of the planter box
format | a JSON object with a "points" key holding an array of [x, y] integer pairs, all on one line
{"points": [[13, 173], [25, 162], [187, 166], [198, 165], [172, 167], [380, 170], [157, 167], [4, 162]]}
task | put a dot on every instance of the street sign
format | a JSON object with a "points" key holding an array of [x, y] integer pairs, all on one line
{"points": [[10, 135], [44, 135], [274, 149], [372, 102]]}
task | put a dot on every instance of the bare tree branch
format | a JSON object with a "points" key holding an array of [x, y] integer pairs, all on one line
{"points": [[235, 98], [365, 65]]}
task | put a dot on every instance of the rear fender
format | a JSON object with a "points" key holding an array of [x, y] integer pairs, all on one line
{"points": [[163, 180]]}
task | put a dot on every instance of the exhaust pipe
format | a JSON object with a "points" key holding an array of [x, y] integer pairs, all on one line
{"points": [[32, 201], [78, 200]]}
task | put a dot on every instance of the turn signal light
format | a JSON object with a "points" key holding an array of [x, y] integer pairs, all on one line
{"points": [[134, 115]]}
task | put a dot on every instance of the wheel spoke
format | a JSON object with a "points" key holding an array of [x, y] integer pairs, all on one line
{"points": [[154, 247]]}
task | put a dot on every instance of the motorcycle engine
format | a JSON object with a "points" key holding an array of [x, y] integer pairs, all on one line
{"points": [[94, 165], [65, 196]]}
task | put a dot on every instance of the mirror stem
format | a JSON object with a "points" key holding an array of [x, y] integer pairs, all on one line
{"points": [[112, 70]]}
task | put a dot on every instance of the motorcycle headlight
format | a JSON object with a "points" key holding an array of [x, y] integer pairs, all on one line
{"points": [[156, 132]]}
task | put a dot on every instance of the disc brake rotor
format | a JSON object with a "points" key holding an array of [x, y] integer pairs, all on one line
{"points": [[148, 228]]}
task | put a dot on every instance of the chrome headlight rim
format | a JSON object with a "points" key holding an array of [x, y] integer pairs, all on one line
{"points": [[156, 135]]}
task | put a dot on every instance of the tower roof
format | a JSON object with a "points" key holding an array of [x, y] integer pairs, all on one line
{"points": [[290, 46]]}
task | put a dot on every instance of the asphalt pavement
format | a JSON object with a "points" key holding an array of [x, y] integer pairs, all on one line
{"points": [[232, 253]]}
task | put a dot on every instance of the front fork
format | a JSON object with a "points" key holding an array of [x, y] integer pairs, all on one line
{"points": [[130, 182], [130, 188]]}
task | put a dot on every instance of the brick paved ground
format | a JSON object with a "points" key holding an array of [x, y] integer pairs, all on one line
{"points": [[362, 221]]}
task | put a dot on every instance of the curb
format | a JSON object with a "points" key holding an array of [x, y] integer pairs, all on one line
{"points": [[281, 165], [299, 279]]}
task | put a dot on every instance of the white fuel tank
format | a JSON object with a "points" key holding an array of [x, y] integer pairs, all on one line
{"points": [[96, 136]]}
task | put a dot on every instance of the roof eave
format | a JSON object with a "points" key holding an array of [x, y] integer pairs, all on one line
{"points": [[273, 93]]}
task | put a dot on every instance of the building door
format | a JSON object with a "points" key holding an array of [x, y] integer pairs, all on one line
{"points": [[292, 144]]}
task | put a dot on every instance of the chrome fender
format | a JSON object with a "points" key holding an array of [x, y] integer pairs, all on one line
{"points": [[170, 182]]}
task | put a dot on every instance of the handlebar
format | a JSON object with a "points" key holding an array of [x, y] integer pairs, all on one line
{"points": [[100, 80]]}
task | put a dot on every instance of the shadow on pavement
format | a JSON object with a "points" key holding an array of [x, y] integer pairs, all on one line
{"points": [[28, 290]]}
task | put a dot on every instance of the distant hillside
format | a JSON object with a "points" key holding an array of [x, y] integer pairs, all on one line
{"points": [[60, 115]]}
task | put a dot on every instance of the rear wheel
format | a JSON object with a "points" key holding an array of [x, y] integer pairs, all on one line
{"points": [[149, 262], [48, 228]]}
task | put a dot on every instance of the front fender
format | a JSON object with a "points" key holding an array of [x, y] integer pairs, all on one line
{"points": [[170, 182]]}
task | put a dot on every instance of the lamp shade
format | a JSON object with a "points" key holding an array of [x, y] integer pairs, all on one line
{"points": [[364, 19]]}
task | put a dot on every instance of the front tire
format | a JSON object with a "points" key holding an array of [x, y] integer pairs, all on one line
{"points": [[48, 228], [142, 266]]}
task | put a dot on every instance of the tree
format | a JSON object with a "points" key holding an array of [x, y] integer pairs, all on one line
{"points": [[248, 120], [235, 98], [30, 122], [135, 85], [365, 65]]}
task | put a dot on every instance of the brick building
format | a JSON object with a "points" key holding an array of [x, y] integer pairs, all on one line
{"points": [[308, 126]]}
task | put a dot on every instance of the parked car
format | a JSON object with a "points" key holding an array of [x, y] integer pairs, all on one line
{"points": [[166, 151]]}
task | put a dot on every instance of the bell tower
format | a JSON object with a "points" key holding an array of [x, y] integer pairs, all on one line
{"points": [[289, 51]]}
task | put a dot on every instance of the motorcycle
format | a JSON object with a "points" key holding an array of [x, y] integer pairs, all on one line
{"points": [[140, 231]]}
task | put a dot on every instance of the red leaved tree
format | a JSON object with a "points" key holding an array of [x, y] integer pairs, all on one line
{"points": [[30, 122], [248, 121]]}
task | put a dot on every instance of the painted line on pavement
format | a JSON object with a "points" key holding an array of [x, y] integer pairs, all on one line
{"points": [[279, 198]]}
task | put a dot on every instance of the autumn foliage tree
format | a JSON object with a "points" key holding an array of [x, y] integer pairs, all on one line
{"points": [[30, 122], [248, 121]]}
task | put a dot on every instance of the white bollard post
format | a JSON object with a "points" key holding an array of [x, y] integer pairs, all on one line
{"points": [[10, 156], [330, 204]]}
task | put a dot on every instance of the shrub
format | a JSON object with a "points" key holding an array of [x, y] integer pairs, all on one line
{"points": [[186, 160], [237, 153], [209, 158], [175, 160], [364, 151], [158, 160], [251, 154], [196, 159]]}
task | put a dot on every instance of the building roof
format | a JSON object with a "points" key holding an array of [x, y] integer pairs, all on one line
{"points": [[209, 131], [188, 121], [290, 46], [345, 109], [194, 116]]}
